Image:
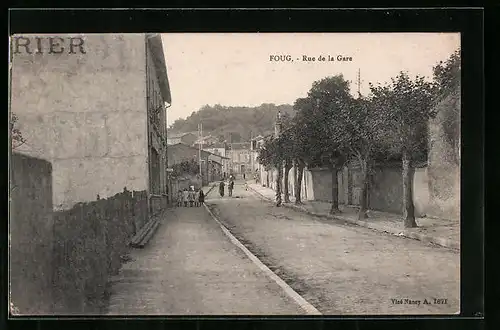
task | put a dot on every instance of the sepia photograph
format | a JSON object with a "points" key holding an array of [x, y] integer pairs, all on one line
{"points": [[234, 174]]}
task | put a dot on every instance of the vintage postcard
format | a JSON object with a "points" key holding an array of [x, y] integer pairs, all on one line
{"points": [[235, 174]]}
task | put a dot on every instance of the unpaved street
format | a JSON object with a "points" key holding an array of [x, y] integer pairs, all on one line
{"points": [[339, 268]]}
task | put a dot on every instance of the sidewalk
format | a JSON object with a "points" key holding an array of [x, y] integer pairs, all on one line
{"points": [[207, 189], [430, 230], [190, 267]]}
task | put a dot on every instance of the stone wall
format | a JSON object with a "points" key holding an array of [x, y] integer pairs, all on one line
{"points": [[386, 190], [86, 113], [89, 242], [31, 235]]}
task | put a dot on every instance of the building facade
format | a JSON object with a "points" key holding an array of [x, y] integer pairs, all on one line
{"points": [[96, 112], [240, 157], [221, 150]]}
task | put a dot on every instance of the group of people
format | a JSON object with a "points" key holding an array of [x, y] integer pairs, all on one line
{"points": [[230, 186], [190, 197]]}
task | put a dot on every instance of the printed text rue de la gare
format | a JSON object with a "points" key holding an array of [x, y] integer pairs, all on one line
{"points": [[308, 58]]}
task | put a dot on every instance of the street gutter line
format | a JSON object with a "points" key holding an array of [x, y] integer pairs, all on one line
{"points": [[304, 304]]}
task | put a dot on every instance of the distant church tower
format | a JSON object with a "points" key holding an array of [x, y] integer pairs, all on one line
{"points": [[277, 124]]}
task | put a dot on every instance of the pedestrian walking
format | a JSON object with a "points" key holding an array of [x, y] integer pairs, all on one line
{"points": [[221, 189], [231, 186], [244, 175], [201, 197]]}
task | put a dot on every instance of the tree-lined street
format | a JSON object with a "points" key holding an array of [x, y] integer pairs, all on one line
{"points": [[191, 267]]}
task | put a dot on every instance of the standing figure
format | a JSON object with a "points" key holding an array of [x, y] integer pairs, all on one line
{"points": [[185, 197], [179, 198], [197, 198], [201, 197], [221, 189], [191, 197], [230, 187]]}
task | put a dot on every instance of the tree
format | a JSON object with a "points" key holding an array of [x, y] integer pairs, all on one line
{"points": [[447, 85], [285, 149], [358, 130], [190, 167], [406, 105], [329, 95], [300, 147], [270, 156], [447, 75]]}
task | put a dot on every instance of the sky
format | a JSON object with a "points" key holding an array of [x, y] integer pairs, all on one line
{"points": [[234, 69]]}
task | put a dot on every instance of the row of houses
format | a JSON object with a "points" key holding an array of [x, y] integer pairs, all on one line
{"points": [[436, 183], [237, 158]]}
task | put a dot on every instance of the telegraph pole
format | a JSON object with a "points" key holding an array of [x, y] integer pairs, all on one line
{"points": [[251, 153], [359, 82], [200, 138]]}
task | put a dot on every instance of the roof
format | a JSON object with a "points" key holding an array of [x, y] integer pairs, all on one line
{"points": [[240, 145], [180, 144], [217, 145], [258, 137], [156, 46], [178, 135]]}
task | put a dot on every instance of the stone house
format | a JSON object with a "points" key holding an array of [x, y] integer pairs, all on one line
{"points": [[98, 114], [240, 157], [188, 138]]}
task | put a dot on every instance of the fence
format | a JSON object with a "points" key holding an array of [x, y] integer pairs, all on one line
{"points": [[89, 240]]}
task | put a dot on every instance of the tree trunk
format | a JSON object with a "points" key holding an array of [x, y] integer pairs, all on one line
{"points": [[363, 203], [278, 185], [298, 186], [335, 190], [408, 207], [294, 173], [288, 166]]}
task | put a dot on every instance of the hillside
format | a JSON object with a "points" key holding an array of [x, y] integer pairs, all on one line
{"points": [[235, 124]]}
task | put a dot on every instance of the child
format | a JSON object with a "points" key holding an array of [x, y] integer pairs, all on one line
{"points": [[191, 198], [179, 198], [185, 197]]}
